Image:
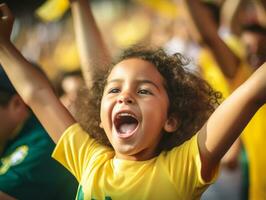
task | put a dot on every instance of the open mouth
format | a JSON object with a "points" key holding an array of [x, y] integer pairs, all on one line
{"points": [[125, 124]]}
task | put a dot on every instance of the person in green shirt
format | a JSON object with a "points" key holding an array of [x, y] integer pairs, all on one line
{"points": [[27, 170]]}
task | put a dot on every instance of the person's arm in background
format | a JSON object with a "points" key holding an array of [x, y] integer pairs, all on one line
{"points": [[208, 30], [94, 55], [34, 88], [228, 121], [229, 12], [261, 9]]}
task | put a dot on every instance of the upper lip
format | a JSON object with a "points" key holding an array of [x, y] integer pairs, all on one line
{"points": [[126, 112]]}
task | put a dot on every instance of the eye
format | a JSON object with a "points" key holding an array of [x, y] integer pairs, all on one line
{"points": [[113, 90], [145, 91]]}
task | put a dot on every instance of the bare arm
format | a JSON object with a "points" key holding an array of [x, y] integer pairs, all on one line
{"points": [[93, 53], [208, 29], [33, 87], [230, 118]]}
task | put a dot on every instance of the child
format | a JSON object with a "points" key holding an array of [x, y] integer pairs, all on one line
{"points": [[150, 108]]}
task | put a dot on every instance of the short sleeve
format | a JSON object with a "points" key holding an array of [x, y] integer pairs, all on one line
{"points": [[76, 150], [183, 164]]}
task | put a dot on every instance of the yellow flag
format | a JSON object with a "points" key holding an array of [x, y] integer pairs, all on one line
{"points": [[52, 10]]}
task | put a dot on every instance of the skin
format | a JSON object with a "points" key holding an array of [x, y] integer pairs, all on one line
{"points": [[208, 30], [225, 57], [228, 61], [140, 92], [71, 86], [93, 53], [11, 115], [214, 139], [255, 44], [5, 126]]}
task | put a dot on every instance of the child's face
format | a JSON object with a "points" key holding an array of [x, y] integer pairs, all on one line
{"points": [[134, 109]]}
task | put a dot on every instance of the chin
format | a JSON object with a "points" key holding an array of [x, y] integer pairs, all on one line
{"points": [[126, 151]]}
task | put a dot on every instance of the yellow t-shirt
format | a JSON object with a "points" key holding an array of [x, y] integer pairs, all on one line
{"points": [[254, 140], [171, 175]]}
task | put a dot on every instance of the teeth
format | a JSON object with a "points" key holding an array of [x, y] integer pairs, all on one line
{"points": [[125, 114]]}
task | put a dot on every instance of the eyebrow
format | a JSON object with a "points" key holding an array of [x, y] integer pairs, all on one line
{"points": [[137, 81]]}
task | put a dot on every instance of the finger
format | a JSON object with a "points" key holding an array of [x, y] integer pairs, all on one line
{"points": [[1, 13], [5, 12]]}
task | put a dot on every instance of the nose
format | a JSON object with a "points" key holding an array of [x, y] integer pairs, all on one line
{"points": [[125, 98]]}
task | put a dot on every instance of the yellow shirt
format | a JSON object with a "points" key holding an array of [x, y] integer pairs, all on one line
{"points": [[254, 140], [171, 175]]}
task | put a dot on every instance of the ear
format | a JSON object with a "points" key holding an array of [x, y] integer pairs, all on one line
{"points": [[171, 124]]}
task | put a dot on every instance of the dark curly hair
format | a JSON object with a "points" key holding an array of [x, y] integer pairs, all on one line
{"points": [[192, 99]]}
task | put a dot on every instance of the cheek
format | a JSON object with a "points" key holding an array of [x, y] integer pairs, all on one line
{"points": [[164, 105], [105, 112], [105, 115], [156, 110]]}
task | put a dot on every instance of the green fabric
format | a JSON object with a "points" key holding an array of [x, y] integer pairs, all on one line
{"points": [[80, 193], [245, 174], [27, 170]]}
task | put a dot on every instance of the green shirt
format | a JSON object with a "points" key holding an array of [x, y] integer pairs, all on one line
{"points": [[27, 170]]}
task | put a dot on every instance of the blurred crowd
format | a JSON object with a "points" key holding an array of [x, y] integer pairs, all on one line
{"points": [[47, 37]]}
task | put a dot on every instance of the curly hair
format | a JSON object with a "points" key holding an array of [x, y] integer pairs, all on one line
{"points": [[192, 100]]}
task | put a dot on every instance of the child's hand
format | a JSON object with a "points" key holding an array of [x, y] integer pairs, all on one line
{"points": [[6, 23]]}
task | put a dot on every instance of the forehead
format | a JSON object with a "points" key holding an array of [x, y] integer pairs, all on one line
{"points": [[135, 68]]}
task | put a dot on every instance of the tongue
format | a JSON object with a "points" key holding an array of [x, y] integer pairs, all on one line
{"points": [[127, 128]]}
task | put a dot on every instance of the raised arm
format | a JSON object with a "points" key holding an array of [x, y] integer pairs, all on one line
{"points": [[208, 30], [34, 88], [230, 118], [93, 52]]}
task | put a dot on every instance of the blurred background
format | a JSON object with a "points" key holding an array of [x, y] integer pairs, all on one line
{"points": [[44, 32]]}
